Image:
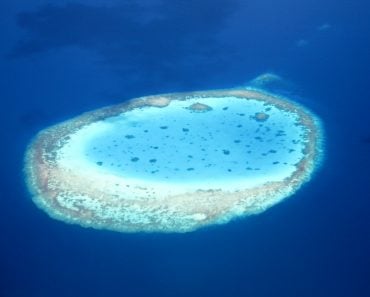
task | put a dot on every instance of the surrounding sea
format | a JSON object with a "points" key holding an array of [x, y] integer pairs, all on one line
{"points": [[61, 58]]}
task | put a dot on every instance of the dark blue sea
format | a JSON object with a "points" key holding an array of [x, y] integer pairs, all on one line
{"points": [[61, 58]]}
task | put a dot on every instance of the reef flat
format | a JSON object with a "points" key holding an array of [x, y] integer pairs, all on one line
{"points": [[174, 162]]}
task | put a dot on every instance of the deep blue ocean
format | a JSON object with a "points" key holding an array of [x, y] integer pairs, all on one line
{"points": [[61, 58]]}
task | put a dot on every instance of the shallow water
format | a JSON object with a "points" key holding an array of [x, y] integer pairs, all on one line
{"points": [[180, 145]]}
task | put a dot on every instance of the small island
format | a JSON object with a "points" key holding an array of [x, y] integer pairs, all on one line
{"points": [[260, 116], [200, 107]]}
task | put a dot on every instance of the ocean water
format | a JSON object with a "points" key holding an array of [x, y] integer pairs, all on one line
{"points": [[61, 58]]}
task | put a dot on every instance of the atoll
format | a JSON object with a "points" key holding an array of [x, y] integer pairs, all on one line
{"points": [[152, 164]]}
